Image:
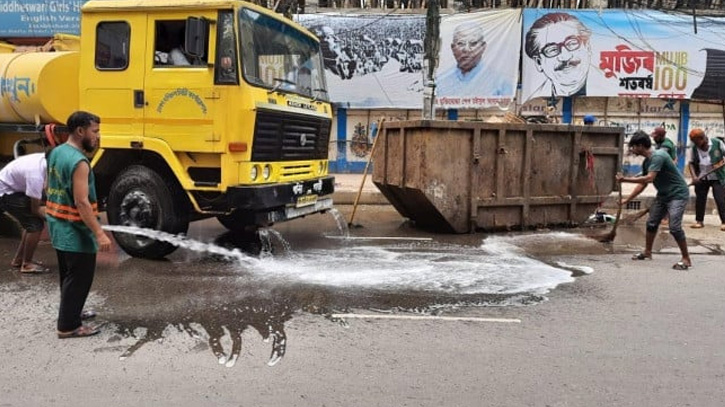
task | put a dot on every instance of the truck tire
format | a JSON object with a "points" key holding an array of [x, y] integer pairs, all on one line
{"points": [[141, 197]]}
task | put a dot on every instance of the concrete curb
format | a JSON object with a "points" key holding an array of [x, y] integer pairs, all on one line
{"points": [[346, 196]]}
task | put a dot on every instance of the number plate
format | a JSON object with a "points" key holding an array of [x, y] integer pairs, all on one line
{"points": [[306, 200]]}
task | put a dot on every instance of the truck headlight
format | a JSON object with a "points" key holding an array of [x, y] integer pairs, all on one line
{"points": [[266, 172], [254, 173]]}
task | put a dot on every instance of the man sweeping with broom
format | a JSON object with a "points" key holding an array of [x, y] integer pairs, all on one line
{"points": [[672, 196]]}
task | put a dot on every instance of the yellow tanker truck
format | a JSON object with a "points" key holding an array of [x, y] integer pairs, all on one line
{"points": [[208, 108]]}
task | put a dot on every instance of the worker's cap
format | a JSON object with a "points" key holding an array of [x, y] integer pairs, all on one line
{"points": [[589, 119], [659, 131]]}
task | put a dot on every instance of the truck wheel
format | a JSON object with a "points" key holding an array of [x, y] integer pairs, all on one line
{"points": [[141, 197]]}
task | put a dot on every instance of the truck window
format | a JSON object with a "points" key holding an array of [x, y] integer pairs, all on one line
{"points": [[226, 63], [169, 43], [112, 41], [280, 58]]}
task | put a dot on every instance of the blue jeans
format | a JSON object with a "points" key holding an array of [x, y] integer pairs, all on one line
{"points": [[675, 208]]}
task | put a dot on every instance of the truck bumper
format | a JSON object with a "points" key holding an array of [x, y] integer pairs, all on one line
{"points": [[264, 197], [266, 204], [288, 213]]}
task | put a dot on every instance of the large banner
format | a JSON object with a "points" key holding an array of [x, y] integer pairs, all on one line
{"points": [[372, 60], [39, 18], [621, 53], [479, 59]]}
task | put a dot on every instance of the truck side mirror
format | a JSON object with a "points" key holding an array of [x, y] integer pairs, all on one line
{"points": [[197, 31]]}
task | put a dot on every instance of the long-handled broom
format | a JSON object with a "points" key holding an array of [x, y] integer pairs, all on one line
{"points": [[633, 218], [365, 173], [609, 237]]}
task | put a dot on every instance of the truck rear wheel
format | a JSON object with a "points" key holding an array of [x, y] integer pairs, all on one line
{"points": [[141, 197]]}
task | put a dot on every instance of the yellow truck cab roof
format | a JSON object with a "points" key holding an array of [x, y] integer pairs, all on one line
{"points": [[101, 6], [105, 5]]}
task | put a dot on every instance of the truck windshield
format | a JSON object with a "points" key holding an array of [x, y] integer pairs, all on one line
{"points": [[277, 56]]}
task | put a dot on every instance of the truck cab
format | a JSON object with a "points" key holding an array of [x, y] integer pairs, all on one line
{"points": [[209, 108]]}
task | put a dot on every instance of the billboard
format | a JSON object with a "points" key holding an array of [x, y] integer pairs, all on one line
{"points": [[478, 59], [621, 53], [371, 60], [39, 18]]}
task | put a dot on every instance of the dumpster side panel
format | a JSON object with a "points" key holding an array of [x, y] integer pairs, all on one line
{"points": [[388, 168], [550, 164], [394, 152], [513, 154], [484, 165], [439, 162], [460, 176]]}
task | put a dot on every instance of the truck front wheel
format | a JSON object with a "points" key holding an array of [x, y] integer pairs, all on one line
{"points": [[141, 197]]}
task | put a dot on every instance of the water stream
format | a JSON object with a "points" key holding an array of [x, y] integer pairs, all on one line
{"points": [[341, 222], [186, 243]]}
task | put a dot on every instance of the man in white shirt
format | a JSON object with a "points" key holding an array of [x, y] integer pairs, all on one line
{"points": [[21, 193], [178, 57], [706, 156]]}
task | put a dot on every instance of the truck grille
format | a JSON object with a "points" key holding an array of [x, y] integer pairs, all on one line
{"points": [[290, 137]]}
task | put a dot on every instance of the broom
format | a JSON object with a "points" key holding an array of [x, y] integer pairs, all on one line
{"points": [[365, 174], [633, 218], [609, 237]]}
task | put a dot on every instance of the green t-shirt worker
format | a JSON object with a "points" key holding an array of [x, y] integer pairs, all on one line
{"points": [[672, 195], [73, 225], [659, 135]]}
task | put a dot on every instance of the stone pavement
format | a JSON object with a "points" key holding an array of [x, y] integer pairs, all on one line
{"points": [[347, 187]]}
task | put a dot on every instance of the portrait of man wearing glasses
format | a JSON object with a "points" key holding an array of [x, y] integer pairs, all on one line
{"points": [[469, 77], [558, 43]]}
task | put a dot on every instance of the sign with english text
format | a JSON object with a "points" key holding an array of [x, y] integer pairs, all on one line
{"points": [[621, 53], [40, 18]]}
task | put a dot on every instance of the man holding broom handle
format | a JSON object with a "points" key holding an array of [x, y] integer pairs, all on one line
{"points": [[672, 196]]}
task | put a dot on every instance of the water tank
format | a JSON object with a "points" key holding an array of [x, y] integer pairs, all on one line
{"points": [[38, 84]]}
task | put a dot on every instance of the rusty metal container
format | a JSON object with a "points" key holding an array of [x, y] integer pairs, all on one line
{"points": [[459, 177]]}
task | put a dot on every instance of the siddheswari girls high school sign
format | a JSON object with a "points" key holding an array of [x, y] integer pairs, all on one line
{"points": [[39, 18]]}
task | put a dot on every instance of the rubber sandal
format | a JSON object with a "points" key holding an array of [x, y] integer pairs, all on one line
{"points": [[697, 225], [18, 265], [680, 266], [80, 332], [88, 314], [641, 256], [33, 268]]}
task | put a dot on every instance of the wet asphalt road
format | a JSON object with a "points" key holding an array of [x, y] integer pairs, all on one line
{"points": [[201, 330]]}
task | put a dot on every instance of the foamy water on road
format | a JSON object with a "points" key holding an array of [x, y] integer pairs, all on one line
{"points": [[499, 265]]}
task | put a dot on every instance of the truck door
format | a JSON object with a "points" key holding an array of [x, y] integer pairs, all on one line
{"points": [[112, 76], [180, 90]]}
